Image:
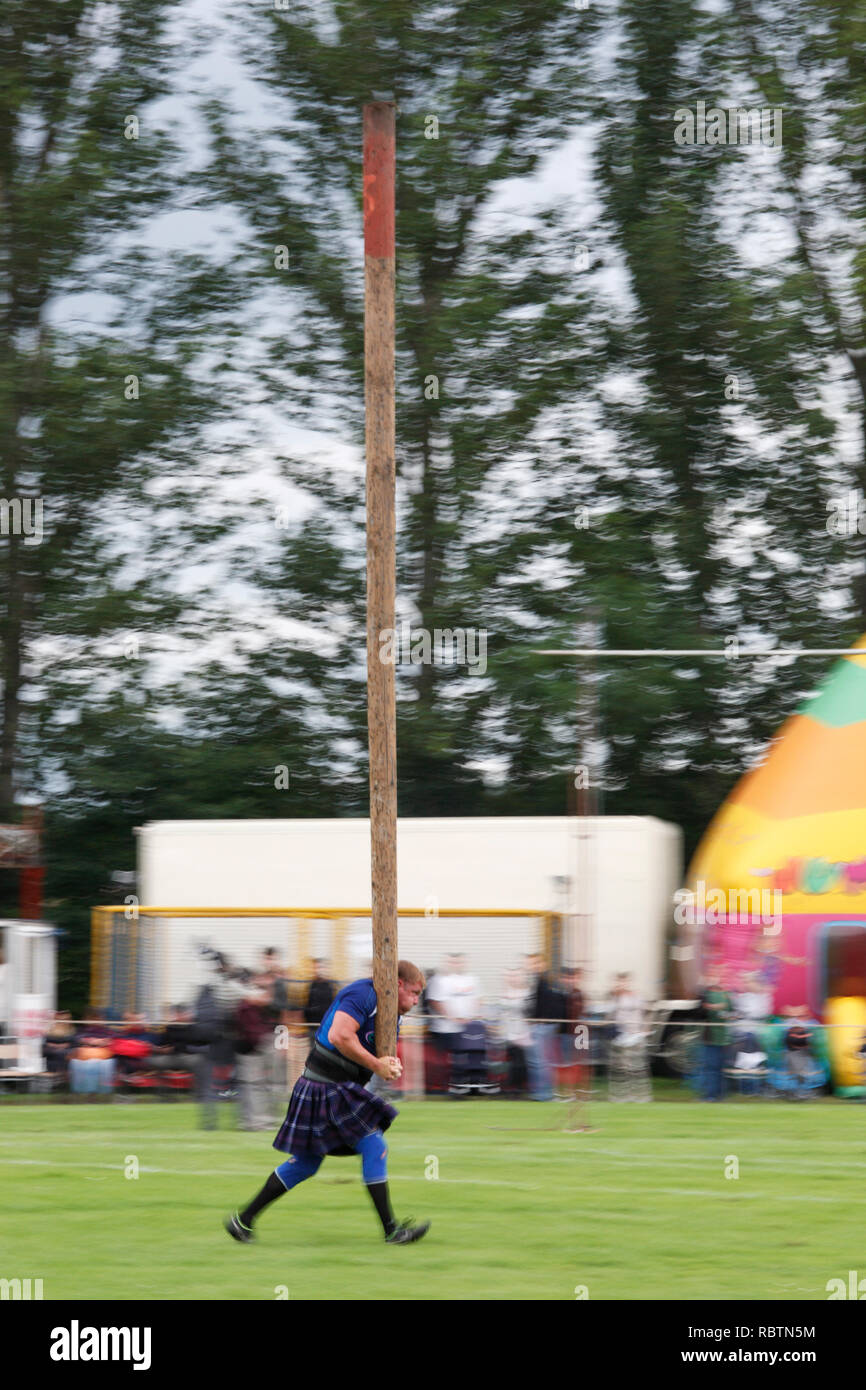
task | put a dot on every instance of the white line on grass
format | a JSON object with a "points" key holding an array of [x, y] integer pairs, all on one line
{"points": [[471, 1182], [245, 1173], [564, 1154]]}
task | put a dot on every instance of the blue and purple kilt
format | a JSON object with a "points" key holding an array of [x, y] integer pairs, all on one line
{"points": [[331, 1118]]}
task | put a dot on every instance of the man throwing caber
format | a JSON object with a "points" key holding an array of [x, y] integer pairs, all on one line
{"points": [[332, 1112]]}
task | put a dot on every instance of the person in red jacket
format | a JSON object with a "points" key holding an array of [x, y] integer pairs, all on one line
{"points": [[134, 1046]]}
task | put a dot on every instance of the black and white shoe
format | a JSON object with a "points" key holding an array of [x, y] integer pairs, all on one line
{"points": [[406, 1233], [239, 1232]]}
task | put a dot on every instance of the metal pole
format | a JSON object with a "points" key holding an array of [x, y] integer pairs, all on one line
{"points": [[734, 653]]}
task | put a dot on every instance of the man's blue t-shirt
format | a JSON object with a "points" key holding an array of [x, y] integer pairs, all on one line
{"points": [[359, 1001]]}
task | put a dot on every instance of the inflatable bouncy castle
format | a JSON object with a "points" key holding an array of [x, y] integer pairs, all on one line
{"points": [[777, 887]]}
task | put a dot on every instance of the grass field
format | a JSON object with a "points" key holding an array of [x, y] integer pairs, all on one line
{"points": [[640, 1209]]}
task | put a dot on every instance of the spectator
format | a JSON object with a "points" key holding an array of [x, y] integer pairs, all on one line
{"points": [[626, 1011], [58, 1045], [628, 1077], [133, 1046], [321, 996], [516, 1034], [214, 1011], [769, 961], [180, 1038], [275, 1049], [423, 1002], [574, 1005], [750, 1063], [181, 1045], [754, 1004], [253, 1045], [544, 1010], [717, 1012], [454, 1000], [465, 993], [799, 1061], [574, 1038], [91, 1063], [272, 978]]}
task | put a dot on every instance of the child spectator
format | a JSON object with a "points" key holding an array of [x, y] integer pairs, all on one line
{"points": [[91, 1063], [750, 1063], [58, 1045], [799, 1060], [134, 1046]]}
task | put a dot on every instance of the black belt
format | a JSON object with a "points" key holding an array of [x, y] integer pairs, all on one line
{"points": [[333, 1067]]}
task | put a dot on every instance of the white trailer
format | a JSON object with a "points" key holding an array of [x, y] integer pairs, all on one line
{"points": [[609, 880], [28, 992]]}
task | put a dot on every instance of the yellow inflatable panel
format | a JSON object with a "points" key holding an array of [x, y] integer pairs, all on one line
{"points": [[844, 1040]]}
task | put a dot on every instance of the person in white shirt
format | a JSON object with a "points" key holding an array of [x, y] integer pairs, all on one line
{"points": [[454, 997], [628, 1073], [515, 1029], [627, 1012], [754, 1004], [512, 1009]]}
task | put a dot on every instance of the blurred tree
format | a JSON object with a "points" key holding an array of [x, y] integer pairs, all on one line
{"points": [[101, 333], [617, 415], [679, 490], [732, 446], [809, 67], [493, 324], [237, 750]]}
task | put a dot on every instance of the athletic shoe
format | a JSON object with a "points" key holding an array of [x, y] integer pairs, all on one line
{"points": [[405, 1233], [239, 1232]]}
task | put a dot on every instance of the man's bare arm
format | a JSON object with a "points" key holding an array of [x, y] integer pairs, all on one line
{"points": [[343, 1035]]}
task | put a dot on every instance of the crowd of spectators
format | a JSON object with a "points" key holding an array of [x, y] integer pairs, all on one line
{"points": [[513, 1044], [743, 1042], [246, 1029], [246, 1033], [534, 1038], [225, 1044]]}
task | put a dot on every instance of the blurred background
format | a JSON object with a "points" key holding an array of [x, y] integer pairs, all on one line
{"points": [[630, 399]]}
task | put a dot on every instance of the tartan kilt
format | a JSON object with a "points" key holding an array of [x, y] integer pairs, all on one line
{"points": [[331, 1118]]}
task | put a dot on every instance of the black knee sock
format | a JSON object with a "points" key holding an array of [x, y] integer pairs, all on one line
{"points": [[272, 1189], [382, 1202]]}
